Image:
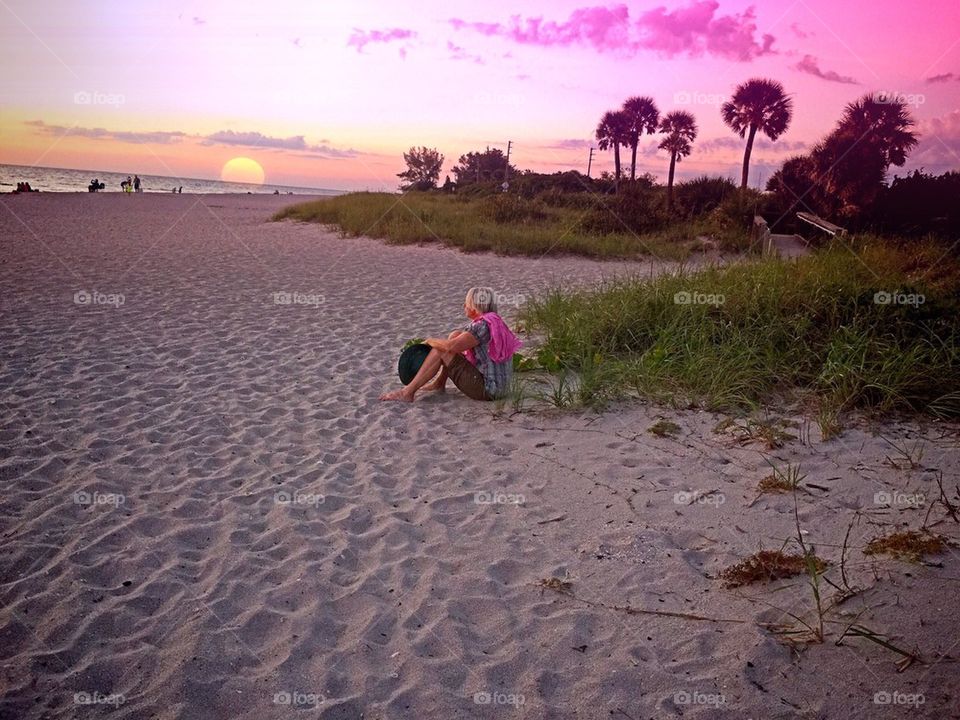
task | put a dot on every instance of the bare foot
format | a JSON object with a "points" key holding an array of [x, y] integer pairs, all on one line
{"points": [[398, 395], [435, 386]]}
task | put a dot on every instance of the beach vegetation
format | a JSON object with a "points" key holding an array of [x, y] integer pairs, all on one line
{"points": [[862, 324]]}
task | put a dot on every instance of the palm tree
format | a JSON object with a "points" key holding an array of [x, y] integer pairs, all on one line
{"points": [[681, 129], [612, 132], [884, 124], [853, 160], [757, 104], [642, 117]]}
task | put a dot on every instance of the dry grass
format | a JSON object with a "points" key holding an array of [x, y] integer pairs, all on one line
{"points": [[767, 565], [774, 484], [910, 545]]}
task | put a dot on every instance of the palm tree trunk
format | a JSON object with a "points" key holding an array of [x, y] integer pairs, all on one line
{"points": [[673, 165], [633, 162], [616, 163], [746, 157]]}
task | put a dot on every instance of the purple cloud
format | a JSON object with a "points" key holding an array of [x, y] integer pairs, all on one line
{"points": [[361, 38], [256, 139], [799, 31], [693, 30], [810, 66], [733, 143], [570, 144], [159, 137], [295, 143], [945, 77]]}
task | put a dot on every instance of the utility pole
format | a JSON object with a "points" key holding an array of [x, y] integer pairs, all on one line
{"points": [[590, 162], [506, 170]]}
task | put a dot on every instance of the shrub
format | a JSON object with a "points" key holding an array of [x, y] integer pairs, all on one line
{"points": [[509, 208], [696, 198]]}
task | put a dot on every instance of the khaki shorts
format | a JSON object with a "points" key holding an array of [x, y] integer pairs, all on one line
{"points": [[467, 378]]}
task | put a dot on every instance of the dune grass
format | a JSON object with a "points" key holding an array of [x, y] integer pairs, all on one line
{"points": [[737, 336], [503, 224]]}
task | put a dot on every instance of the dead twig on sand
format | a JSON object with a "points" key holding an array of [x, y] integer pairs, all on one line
{"points": [[565, 587]]}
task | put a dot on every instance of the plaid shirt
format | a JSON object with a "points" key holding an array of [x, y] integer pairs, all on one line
{"points": [[496, 375]]}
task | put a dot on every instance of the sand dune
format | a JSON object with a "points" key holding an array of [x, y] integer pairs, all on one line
{"points": [[206, 513]]}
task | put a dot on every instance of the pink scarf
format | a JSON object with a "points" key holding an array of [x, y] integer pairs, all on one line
{"points": [[503, 343]]}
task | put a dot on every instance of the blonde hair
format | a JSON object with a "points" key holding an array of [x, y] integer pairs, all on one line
{"points": [[482, 299]]}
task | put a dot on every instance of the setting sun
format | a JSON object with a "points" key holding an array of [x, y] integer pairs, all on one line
{"points": [[242, 170]]}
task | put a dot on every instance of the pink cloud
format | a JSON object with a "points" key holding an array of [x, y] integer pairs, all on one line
{"points": [[697, 28], [810, 66], [722, 144], [361, 38], [939, 146], [692, 30], [799, 31], [945, 77], [570, 144], [458, 53]]}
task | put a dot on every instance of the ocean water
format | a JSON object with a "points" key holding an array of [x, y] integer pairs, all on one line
{"points": [[64, 180]]}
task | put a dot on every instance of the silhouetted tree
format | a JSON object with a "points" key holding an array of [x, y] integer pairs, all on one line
{"points": [[481, 167], [757, 105], [845, 173], [796, 186], [642, 116], [852, 161], [423, 169], [611, 133], [681, 129]]}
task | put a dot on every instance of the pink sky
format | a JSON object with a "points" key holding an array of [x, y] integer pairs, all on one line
{"points": [[330, 94]]}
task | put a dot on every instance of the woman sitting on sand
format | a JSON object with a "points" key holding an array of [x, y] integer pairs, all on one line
{"points": [[478, 359]]}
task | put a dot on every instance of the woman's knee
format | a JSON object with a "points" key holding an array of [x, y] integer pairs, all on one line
{"points": [[454, 334]]}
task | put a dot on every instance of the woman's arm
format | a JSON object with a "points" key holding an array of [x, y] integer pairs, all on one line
{"points": [[463, 341]]}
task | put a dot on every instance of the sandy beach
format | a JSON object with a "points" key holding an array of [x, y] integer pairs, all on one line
{"points": [[207, 513]]}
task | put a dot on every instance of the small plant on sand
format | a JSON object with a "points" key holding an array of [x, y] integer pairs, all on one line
{"points": [[910, 545], [562, 585], [906, 456], [559, 392], [783, 480], [664, 428], [951, 506], [772, 433], [828, 419]]}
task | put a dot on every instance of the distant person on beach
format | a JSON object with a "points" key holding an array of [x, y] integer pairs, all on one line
{"points": [[136, 183], [478, 359], [180, 191]]}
